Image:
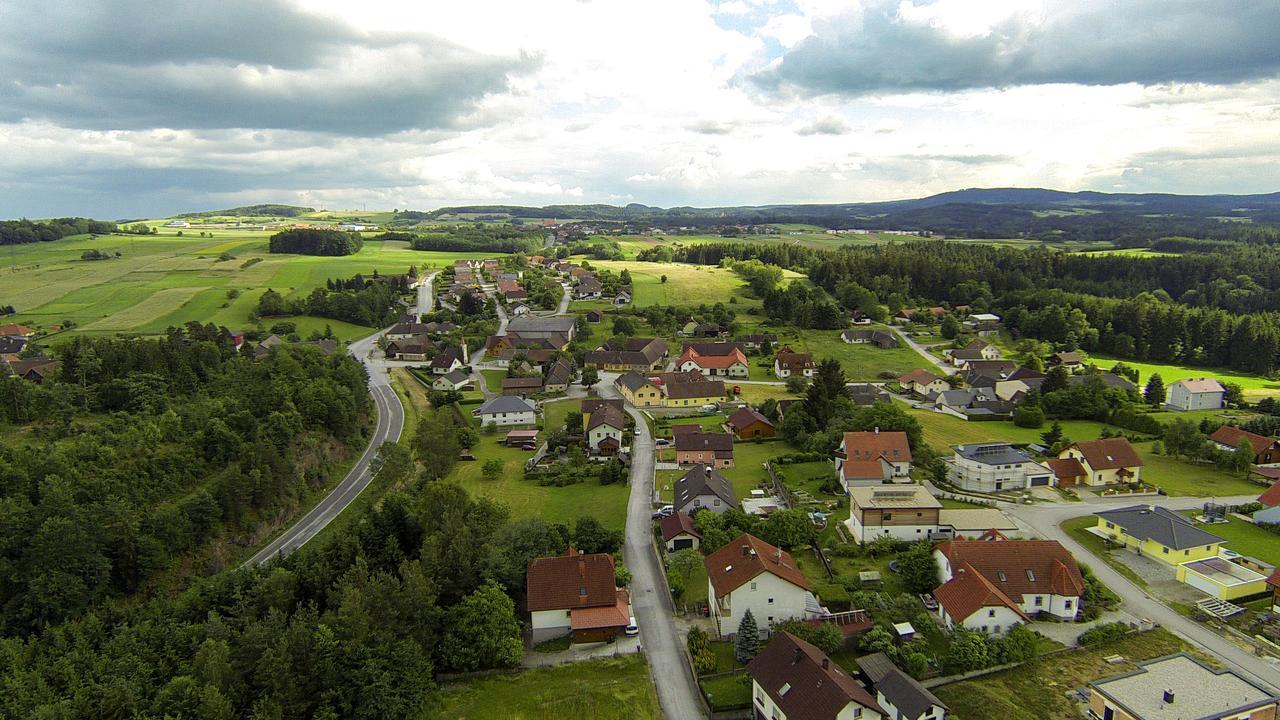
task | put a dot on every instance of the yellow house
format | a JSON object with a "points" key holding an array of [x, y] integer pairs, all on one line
{"points": [[1222, 578], [1159, 533], [639, 390], [693, 395], [1106, 461]]}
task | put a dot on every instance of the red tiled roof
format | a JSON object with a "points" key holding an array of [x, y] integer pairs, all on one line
{"points": [[968, 592], [892, 445], [1272, 473], [1274, 580], [594, 618], [571, 581], [744, 559], [804, 683], [1015, 568], [677, 524], [1270, 497], [1108, 453], [922, 377], [862, 469], [1064, 468], [1231, 437], [718, 362]]}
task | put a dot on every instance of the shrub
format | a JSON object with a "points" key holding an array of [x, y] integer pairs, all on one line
{"points": [[834, 596], [1102, 633]]}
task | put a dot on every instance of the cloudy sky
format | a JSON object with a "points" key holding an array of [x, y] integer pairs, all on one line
{"points": [[141, 107]]}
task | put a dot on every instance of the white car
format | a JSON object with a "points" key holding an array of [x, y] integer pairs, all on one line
{"points": [[632, 629], [664, 511]]}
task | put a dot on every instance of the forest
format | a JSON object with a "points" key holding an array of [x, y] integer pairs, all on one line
{"points": [[368, 301], [267, 210], [471, 238], [305, 241], [18, 232]]}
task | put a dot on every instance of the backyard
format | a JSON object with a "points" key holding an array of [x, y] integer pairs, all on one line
{"points": [[611, 689]]}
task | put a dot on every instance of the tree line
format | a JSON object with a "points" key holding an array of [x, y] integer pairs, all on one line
{"points": [[470, 238], [311, 241], [369, 301], [18, 232]]}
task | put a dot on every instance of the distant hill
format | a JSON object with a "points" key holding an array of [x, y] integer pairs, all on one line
{"points": [[976, 212], [268, 210]]}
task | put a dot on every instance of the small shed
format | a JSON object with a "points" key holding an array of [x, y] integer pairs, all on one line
{"points": [[516, 438]]}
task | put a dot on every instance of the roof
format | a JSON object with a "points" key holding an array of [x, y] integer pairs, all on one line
{"points": [[747, 416], [977, 520], [703, 479], [968, 591], [701, 388], [12, 344], [744, 559], [892, 445], [609, 415], [521, 383], [591, 404], [456, 376], [1270, 497], [504, 403], [899, 688], [1231, 436], [922, 377], [633, 380], [677, 524], [571, 581], [607, 616], [563, 324], [561, 372], [712, 361], [1271, 473], [804, 683], [446, 358], [1199, 691], [1019, 567], [1069, 357], [1156, 523], [794, 360], [864, 469], [1064, 468], [993, 454], [893, 497], [719, 442], [712, 348], [1201, 385], [1108, 453], [15, 329], [634, 351]]}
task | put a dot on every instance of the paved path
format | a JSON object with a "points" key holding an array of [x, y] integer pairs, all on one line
{"points": [[650, 599], [1047, 518], [924, 352]]}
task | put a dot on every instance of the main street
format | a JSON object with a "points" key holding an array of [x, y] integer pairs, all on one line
{"points": [[390, 422]]}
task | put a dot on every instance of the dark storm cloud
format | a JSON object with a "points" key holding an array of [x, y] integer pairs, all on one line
{"points": [[1088, 43], [230, 64]]}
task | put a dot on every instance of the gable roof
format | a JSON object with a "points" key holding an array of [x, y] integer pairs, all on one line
{"points": [[712, 361], [711, 348], [899, 688], [456, 376], [1201, 385], [592, 404], [1231, 436], [1271, 496], [693, 441], [700, 388], [747, 416], [1066, 468], [793, 360], [1019, 567], [561, 372], [892, 445], [804, 683], [677, 524], [521, 383], [1108, 453], [610, 415], [703, 480], [571, 581], [504, 403], [968, 591], [633, 381], [1156, 523], [744, 559], [446, 358], [919, 376], [864, 469]]}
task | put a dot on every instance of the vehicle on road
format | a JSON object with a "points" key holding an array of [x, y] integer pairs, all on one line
{"points": [[632, 629], [637, 432], [664, 511]]}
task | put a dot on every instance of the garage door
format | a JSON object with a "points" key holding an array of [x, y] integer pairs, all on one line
{"points": [[1040, 480], [682, 544], [1201, 583]]}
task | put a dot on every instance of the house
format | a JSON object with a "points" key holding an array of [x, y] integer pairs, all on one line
{"points": [[588, 288], [758, 341], [748, 423], [576, 594], [1270, 512], [406, 331], [535, 326], [890, 445], [1106, 461], [690, 389], [622, 298], [16, 330], [857, 317], [972, 402], [865, 394], [606, 423], [701, 488], [620, 355], [520, 309], [447, 360], [1180, 686], [452, 380], [1266, 450], [1108, 380], [982, 324], [520, 438], [902, 512], [639, 390], [975, 350], [35, 370], [789, 362], [995, 467], [880, 338], [678, 533], [730, 364], [899, 694], [1273, 582], [506, 410], [859, 473], [269, 343], [1198, 394], [592, 404], [922, 383], [559, 376], [992, 586], [750, 574], [594, 316], [532, 357], [1159, 533], [416, 348], [697, 447], [1067, 471], [521, 386], [791, 679], [995, 370]]}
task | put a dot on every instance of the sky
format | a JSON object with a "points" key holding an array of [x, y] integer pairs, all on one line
{"points": [[142, 108]]}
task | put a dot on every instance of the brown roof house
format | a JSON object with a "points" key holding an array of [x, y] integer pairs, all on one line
{"points": [[750, 574], [678, 533], [922, 383], [1106, 461], [521, 386], [621, 355], [857, 449], [748, 423], [576, 595], [795, 680], [696, 447], [788, 363], [992, 586], [1266, 450]]}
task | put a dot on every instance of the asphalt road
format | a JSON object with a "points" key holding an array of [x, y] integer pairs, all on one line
{"points": [[650, 598], [940, 364], [1046, 520], [390, 423]]}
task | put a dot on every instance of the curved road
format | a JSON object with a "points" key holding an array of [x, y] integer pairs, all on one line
{"points": [[650, 599], [922, 350], [389, 425]]}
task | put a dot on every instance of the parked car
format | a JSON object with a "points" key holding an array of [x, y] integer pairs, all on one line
{"points": [[632, 629], [661, 442], [709, 409], [664, 511], [930, 603], [637, 431], [529, 447]]}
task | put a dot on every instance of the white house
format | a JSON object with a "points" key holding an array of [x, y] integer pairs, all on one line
{"points": [[891, 445], [993, 467], [606, 427], [577, 595], [452, 380], [792, 679], [788, 363], [507, 410], [1197, 394], [902, 512], [750, 574], [990, 586], [703, 488], [678, 533], [901, 697]]}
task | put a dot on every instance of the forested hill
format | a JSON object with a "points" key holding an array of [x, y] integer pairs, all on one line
{"points": [[998, 212], [269, 210]]}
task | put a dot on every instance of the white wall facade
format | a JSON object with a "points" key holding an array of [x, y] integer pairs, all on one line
{"points": [[867, 533], [548, 624], [982, 477], [770, 599], [988, 620], [1183, 399], [515, 418], [707, 501], [600, 432]]}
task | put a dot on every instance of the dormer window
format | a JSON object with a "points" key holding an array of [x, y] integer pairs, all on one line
{"points": [[1031, 575]]}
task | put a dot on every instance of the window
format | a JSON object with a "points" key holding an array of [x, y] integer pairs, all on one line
{"points": [[770, 602], [1186, 552], [1164, 550], [1000, 574], [1067, 604], [753, 586], [991, 613], [1031, 575], [1039, 601], [1111, 526], [996, 629]]}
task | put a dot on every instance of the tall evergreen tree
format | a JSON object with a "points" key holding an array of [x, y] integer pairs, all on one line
{"points": [[747, 643]]}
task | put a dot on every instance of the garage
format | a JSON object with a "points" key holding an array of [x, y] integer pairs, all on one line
{"points": [[684, 543], [1039, 480]]}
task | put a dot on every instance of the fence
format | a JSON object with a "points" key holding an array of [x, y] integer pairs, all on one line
{"points": [[779, 488]]}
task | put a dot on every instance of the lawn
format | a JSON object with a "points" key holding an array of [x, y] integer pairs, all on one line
{"points": [[728, 692], [1254, 386], [1182, 477], [1037, 690], [1078, 528], [685, 285], [756, 394], [748, 464], [611, 689], [862, 362], [493, 379], [1245, 538]]}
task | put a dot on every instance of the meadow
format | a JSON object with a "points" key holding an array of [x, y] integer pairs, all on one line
{"points": [[610, 689]]}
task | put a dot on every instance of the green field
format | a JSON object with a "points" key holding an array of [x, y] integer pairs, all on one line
{"points": [[612, 689], [1246, 538], [1254, 386], [164, 280], [685, 285]]}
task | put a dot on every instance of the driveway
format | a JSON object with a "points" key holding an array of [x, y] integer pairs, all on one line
{"points": [[940, 364], [650, 599]]}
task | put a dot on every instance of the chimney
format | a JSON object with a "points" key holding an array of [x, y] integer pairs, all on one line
{"points": [[1168, 697], [746, 551], [826, 664], [877, 429], [799, 654]]}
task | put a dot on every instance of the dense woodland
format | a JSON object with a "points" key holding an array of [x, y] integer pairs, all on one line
{"points": [[17, 232], [264, 210], [304, 241], [473, 238], [363, 300]]}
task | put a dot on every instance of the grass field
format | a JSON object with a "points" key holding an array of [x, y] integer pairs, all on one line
{"points": [[612, 689], [1246, 538], [1254, 386], [1037, 690], [1078, 528]]}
